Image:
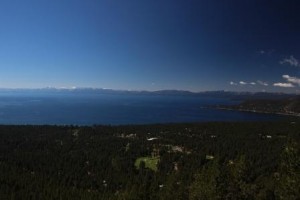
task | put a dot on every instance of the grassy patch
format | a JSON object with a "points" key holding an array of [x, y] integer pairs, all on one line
{"points": [[150, 162]]}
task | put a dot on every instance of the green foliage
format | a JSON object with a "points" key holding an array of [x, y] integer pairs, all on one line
{"points": [[205, 184], [238, 186], [149, 162], [67, 162], [288, 178]]}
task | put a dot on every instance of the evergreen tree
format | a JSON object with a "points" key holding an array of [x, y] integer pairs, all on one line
{"points": [[288, 179], [205, 182], [235, 180]]}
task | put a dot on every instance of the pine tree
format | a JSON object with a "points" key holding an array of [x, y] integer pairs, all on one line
{"points": [[288, 179], [205, 183]]}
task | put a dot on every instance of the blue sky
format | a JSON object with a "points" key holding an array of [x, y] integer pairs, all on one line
{"points": [[197, 45]]}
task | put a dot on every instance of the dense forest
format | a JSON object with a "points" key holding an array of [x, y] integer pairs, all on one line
{"points": [[232, 160]]}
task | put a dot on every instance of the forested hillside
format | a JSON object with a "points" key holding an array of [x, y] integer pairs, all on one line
{"points": [[245, 160], [288, 106]]}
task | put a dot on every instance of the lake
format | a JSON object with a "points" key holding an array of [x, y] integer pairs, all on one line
{"points": [[115, 109]]}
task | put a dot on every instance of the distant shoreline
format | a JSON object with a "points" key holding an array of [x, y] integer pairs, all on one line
{"points": [[258, 111]]}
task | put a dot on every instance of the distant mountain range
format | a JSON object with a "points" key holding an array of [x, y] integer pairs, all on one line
{"points": [[280, 103], [214, 94]]}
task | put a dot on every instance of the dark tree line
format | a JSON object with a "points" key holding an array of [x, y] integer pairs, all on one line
{"points": [[245, 160]]}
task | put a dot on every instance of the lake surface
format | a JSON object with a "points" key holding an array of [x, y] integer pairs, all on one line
{"points": [[84, 109]]}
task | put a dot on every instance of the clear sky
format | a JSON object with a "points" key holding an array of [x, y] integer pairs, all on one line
{"points": [[197, 45]]}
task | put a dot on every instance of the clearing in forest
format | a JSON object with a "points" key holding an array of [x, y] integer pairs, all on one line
{"points": [[150, 162]]}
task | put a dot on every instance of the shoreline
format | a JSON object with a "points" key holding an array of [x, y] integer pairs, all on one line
{"points": [[259, 112]]}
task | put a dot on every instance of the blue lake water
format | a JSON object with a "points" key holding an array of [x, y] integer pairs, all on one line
{"points": [[115, 109]]}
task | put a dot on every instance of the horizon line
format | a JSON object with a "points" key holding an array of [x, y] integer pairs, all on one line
{"points": [[150, 91]]}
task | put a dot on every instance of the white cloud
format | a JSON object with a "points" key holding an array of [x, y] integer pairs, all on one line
{"points": [[242, 83], [262, 83], [285, 85], [266, 52], [291, 61], [291, 79]]}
